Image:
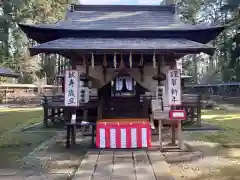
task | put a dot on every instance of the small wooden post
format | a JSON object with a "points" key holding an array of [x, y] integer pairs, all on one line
{"points": [[199, 115], [180, 140], [73, 134], [45, 120], [160, 134], [5, 96], [199, 111], [73, 127], [67, 121], [68, 137], [45, 111]]}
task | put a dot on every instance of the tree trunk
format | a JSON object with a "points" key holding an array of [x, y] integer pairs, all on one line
{"points": [[195, 68], [6, 26]]}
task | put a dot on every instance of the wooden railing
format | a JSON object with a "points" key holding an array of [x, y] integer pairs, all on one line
{"points": [[190, 102], [59, 100], [187, 99]]}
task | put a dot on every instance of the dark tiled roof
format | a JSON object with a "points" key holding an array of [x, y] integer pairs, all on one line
{"points": [[116, 44], [118, 17], [8, 73], [124, 17]]}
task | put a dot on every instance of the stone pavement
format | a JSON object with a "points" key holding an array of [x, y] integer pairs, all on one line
{"points": [[52, 161], [123, 165]]}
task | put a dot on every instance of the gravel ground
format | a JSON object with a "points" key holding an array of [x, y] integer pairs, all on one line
{"points": [[204, 161]]}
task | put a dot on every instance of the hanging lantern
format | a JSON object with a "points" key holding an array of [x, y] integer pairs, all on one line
{"points": [[105, 61], [115, 61], [154, 61], [92, 61], [130, 60]]}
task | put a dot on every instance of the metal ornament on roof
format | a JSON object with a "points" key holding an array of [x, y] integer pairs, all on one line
{"points": [[130, 60], [154, 60], [92, 61], [115, 61]]}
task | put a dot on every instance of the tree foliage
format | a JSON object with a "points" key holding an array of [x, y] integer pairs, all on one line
{"points": [[13, 49], [223, 66]]}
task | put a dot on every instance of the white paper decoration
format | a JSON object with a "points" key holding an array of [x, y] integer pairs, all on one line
{"points": [[92, 61], [115, 61], [130, 60], [154, 60]]}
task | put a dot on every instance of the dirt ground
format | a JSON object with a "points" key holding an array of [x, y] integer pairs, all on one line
{"points": [[205, 161]]}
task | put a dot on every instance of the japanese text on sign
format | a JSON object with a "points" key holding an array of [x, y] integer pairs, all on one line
{"points": [[71, 88], [174, 87]]}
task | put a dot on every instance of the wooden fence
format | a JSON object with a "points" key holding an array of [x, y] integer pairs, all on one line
{"points": [[24, 93], [224, 90]]}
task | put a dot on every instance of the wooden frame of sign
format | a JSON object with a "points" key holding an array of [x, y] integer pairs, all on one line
{"points": [[174, 99], [165, 101], [71, 99]]}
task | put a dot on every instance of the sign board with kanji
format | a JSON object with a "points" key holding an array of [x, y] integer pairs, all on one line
{"points": [[71, 88], [174, 87], [177, 115]]}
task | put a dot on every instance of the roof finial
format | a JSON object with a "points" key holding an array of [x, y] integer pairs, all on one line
{"points": [[168, 2], [71, 7]]}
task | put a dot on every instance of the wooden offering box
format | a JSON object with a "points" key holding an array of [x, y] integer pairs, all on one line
{"points": [[123, 133]]}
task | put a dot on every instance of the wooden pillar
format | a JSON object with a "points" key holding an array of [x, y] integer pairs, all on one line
{"points": [[85, 114], [174, 125], [160, 121]]}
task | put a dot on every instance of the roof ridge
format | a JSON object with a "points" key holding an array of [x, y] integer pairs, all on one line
{"points": [[79, 7]]}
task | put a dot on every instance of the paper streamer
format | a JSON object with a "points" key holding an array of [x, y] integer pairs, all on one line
{"points": [[113, 138], [123, 138], [102, 138], [134, 137], [144, 137]]}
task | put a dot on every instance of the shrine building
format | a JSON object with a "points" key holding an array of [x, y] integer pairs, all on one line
{"points": [[124, 53]]}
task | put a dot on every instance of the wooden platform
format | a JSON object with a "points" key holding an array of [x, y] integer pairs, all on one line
{"points": [[123, 165]]}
